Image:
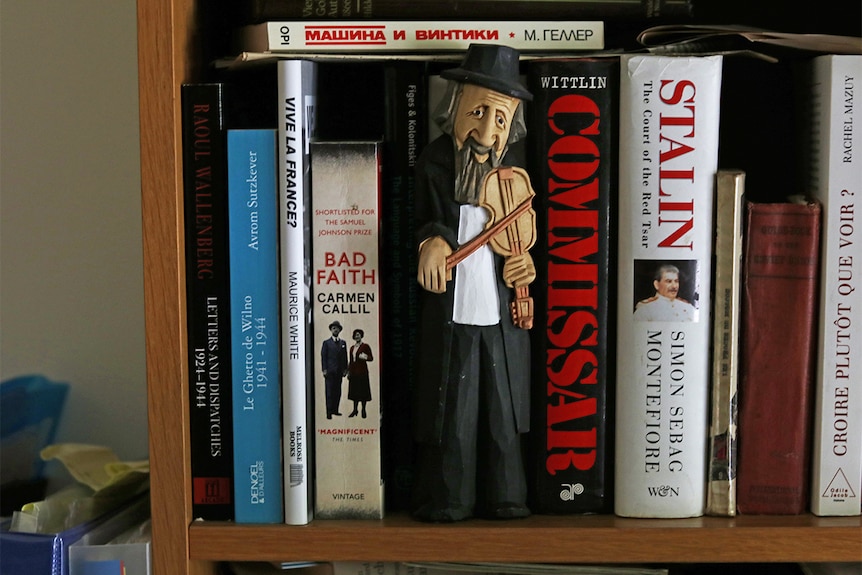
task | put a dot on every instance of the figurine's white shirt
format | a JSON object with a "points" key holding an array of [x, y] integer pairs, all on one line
{"points": [[476, 300]]}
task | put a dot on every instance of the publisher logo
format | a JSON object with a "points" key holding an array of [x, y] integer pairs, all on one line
{"points": [[211, 490], [571, 490], [839, 489], [663, 491]]}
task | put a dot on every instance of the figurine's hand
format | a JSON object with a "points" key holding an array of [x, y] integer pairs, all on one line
{"points": [[363, 355], [433, 274], [519, 270]]}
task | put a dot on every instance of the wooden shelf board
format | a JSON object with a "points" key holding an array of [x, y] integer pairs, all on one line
{"points": [[547, 539]]}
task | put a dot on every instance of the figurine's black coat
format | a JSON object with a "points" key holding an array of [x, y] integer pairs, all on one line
{"points": [[437, 214]]}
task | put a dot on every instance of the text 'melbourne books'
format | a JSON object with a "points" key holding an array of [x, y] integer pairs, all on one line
{"points": [[573, 127], [669, 127], [207, 300], [398, 36], [346, 186], [835, 177], [297, 85], [779, 335], [726, 302], [255, 348]]}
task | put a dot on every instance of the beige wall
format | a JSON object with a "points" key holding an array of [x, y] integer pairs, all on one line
{"points": [[71, 295]]}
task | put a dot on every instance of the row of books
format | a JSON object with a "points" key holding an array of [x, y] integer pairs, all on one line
{"points": [[268, 363], [623, 152]]}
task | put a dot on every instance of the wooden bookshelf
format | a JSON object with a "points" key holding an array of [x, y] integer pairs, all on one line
{"points": [[554, 539], [167, 33]]}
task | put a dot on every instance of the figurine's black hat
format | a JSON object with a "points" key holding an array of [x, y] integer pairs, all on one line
{"points": [[493, 67], [336, 323]]}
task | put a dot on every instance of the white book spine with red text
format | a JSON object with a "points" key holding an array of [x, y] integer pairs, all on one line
{"points": [[836, 180], [669, 127], [326, 36], [296, 96]]}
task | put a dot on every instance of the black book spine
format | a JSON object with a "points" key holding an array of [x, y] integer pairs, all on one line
{"points": [[572, 130], [405, 134], [207, 292]]}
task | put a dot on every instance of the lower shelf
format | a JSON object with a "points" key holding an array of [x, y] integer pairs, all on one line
{"points": [[547, 539]]}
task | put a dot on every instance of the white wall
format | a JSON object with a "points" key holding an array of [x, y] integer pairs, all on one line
{"points": [[71, 294]]}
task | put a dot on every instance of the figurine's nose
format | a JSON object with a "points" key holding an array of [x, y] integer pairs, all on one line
{"points": [[485, 132]]}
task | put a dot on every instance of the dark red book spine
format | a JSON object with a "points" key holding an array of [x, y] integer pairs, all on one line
{"points": [[779, 327], [572, 135], [207, 300]]}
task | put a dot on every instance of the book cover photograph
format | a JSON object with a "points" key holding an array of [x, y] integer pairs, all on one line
{"points": [[779, 334], [669, 125], [572, 135], [346, 187]]}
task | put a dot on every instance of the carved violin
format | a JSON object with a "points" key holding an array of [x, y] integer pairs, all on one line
{"points": [[511, 230]]}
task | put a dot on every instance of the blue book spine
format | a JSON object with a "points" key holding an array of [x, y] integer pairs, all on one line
{"points": [[253, 238]]}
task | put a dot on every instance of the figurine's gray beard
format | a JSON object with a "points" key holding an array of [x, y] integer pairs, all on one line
{"points": [[469, 173]]}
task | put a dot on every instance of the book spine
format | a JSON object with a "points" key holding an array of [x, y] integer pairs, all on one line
{"points": [[726, 304], [837, 457], [636, 10], [207, 300], [779, 319], [322, 36], [346, 183], [297, 103], [253, 243], [405, 136], [669, 111], [573, 132]]}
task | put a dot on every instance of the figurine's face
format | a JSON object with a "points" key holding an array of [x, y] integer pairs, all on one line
{"points": [[668, 285], [335, 330], [483, 120]]}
